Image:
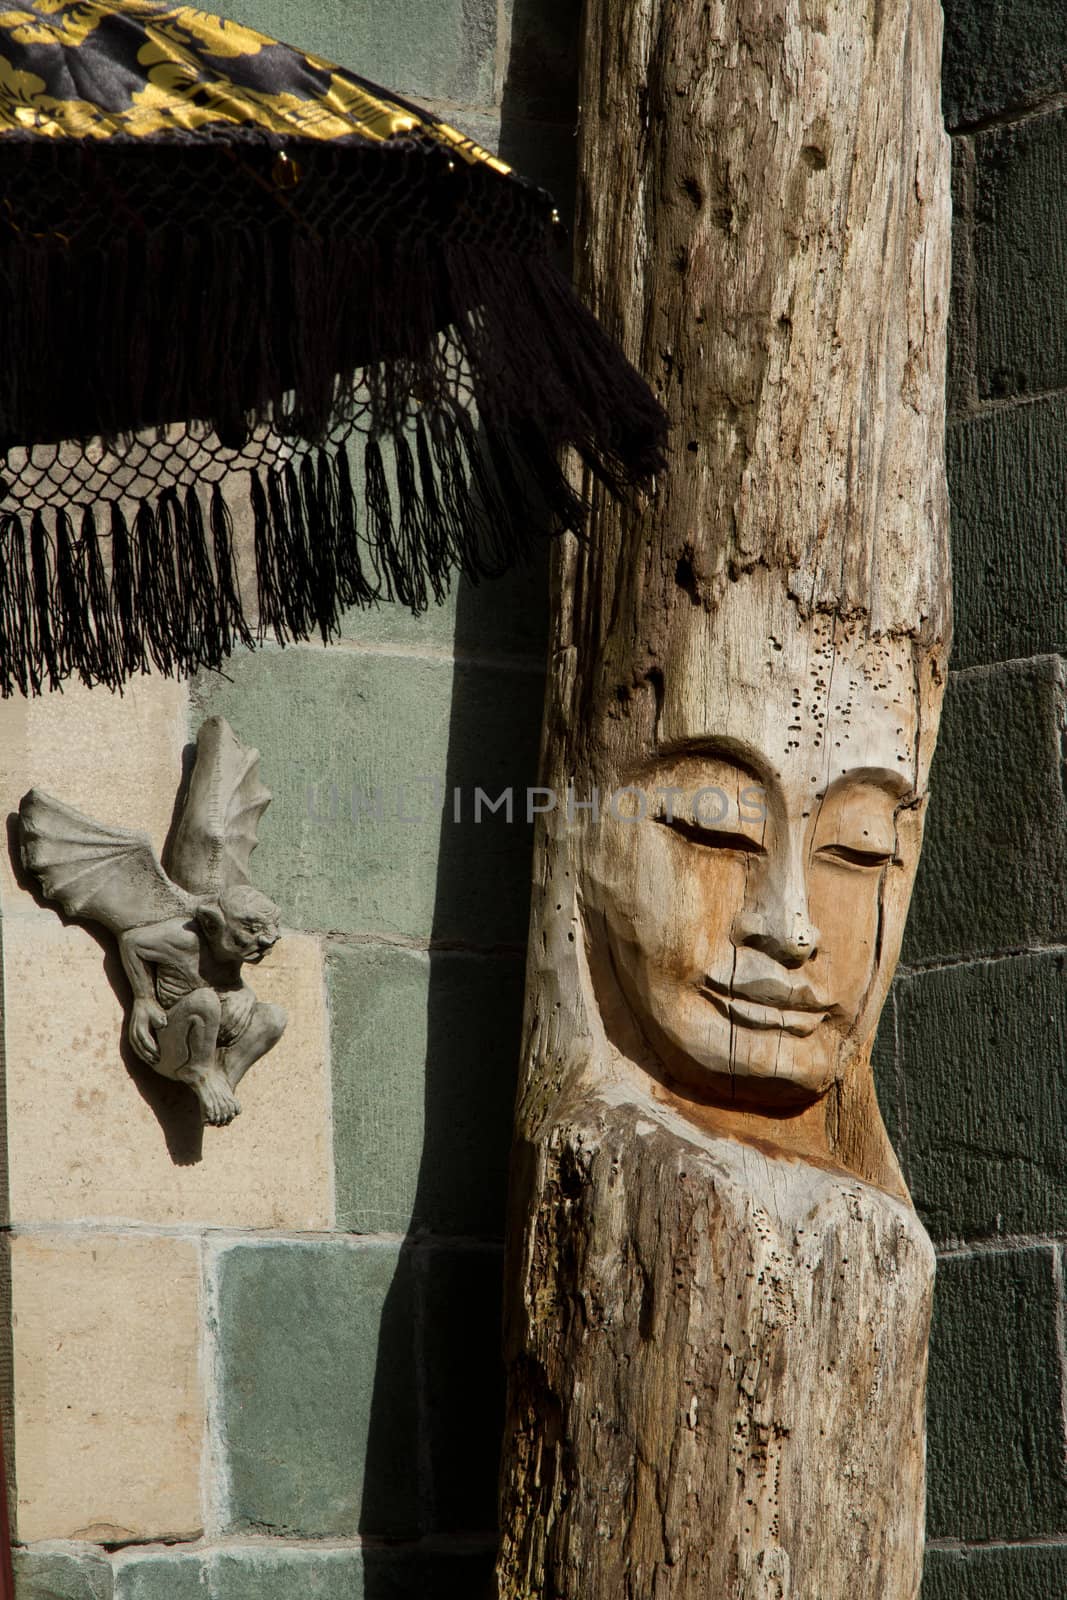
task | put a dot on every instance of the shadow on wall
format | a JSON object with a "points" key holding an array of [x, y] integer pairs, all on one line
{"points": [[172, 1104], [450, 1272], [448, 1279]]}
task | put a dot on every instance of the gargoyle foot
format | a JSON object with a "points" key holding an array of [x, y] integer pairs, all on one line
{"points": [[217, 1103]]}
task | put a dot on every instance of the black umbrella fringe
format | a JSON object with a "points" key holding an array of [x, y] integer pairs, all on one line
{"points": [[457, 368], [564, 381], [153, 586], [277, 317]]}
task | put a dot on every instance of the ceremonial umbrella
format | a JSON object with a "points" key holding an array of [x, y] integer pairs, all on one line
{"points": [[237, 282]]}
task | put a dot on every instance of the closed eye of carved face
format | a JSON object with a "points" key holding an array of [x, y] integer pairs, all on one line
{"points": [[712, 838], [856, 827], [865, 847]]}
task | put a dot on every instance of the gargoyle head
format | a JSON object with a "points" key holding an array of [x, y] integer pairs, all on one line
{"points": [[241, 925]]}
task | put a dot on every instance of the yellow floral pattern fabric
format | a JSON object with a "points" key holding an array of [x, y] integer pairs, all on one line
{"points": [[93, 69]]}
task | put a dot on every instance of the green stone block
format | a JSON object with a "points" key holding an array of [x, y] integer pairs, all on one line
{"points": [[1020, 252], [425, 1052], [62, 1572], [249, 1574], [317, 1389], [375, 1573], [481, 126], [993, 873], [459, 1574], [460, 1297], [541, 83], [363, 753], [168, 1576], [506, 616], [985, 1095], [1000, 55], [546, 153], [886, 1075], [1008, 483], [1021, 1572], [959, 374], [994, 1424], [429, 49], [391, 623]]}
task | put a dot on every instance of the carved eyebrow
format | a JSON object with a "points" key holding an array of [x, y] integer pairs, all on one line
{"points": [[718, 748], [894, 784]]}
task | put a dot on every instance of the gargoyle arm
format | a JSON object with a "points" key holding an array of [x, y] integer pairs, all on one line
{"points": [[169, 941], [161, 941]]}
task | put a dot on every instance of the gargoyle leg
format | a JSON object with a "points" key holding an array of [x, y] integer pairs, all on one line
{"points": [[265, 1028], [188, 1053]]}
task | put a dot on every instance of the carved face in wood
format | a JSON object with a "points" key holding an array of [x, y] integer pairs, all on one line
{"points": [[753, 915]]}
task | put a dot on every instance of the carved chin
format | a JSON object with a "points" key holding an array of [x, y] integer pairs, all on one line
{"points": [[740, 1052]]}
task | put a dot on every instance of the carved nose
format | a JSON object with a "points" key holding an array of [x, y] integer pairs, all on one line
{"points": [[788, 938]]}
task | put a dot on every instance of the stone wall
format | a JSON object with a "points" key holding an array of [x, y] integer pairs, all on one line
{"points": [[264, 1360], [974, 1044]]}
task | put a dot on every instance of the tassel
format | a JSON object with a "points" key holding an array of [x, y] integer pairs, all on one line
{"points": [[269, 579], [474, 481], [71, 609], [354, 587], [418, 546], [132, 656], [288, 603], [455, 492], [19, 654], [43, 599], [154, 587], [491, 514], [206, 641], [316, 485], [300, 560], [105, 663], [444, 537], [380, 518]]}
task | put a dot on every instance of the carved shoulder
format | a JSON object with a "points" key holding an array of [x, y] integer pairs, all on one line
{"points": [[162, 941]]}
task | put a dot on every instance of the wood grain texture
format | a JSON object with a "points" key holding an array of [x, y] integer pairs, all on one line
{"points": [[718, 1293], [763, 220]]}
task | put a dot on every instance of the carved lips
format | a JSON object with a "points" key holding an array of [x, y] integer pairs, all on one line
{"points": [[788, 1008]]}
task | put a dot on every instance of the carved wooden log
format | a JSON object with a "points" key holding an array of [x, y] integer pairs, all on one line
{"points": [[718, 1293]]}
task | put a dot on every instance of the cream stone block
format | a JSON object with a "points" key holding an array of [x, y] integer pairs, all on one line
{"points": [[108, 1402], [94, 1134], [116, 757]]}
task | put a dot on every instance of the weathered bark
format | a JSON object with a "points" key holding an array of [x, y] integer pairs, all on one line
{"points": [[718, 1292]]}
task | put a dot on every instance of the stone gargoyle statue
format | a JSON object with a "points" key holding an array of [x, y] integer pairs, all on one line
{"points": [[184, 935]]}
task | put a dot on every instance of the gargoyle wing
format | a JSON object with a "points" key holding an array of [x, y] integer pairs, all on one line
{"points": [[217, 832], [99, 874]]}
